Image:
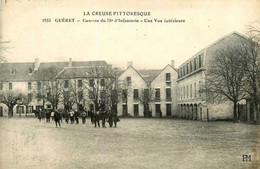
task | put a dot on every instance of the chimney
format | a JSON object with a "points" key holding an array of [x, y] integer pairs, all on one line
{"points": [[36, 64], [70, 62], [129, 63], [173, 63]]}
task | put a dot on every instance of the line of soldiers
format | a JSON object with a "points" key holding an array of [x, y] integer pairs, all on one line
{"points": [[73, 117], [104, 117]]}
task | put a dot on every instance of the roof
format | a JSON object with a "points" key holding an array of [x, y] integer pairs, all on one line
{"points": [[149, 74], [21, 70], [215, 42], [86, 72]]}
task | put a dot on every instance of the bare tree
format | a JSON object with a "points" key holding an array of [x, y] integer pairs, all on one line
{"points": [[100, 85], [26, 100], [74, 93], [250, 52], [124, 91], [146, 97], [49, 88], [10, 99], [3, 48], [225, 77]]}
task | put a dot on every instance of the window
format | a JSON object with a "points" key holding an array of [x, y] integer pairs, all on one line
{"points": [[10, 86], [29, 109], [124, 92], [183, 68], [200, 87], [79, 83], [168, 76], [1, 86], [187, 92], [191, 91], [80, 95], [129, 81], [12, 71], [39, 96], [102, 95], [146, 93], [39, 85], [91, 82], [187, 67], [195, 93], [102, 82], [66, 84], [30, 71], [29, 86], [157, 93], [184, 92], [190, 66], [195, 63], [168, 93], [30, 97], [181, 92], [136, 94], [48, 106], [136, 110], [91, 95], [200, 61], [20, 109]]}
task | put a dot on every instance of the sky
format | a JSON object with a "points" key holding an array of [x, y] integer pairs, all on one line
{"points": [[148, 45]]}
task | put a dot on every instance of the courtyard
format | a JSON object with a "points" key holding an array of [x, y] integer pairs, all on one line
{"points": [[135, 143]]}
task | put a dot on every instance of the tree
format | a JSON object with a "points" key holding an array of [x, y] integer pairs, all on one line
{"points": [[146, 97], [26, 100], [3, 48], [225, 77], [250, 52], [99, 85], [124, 90], [73, 93], [49, 88], [10, 99]]}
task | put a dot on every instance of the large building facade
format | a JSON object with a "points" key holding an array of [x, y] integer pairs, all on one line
{"points": [[158, 93], [153, 91], [193, 103]]}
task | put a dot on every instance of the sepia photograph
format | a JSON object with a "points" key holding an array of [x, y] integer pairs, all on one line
{"points": [[125, 84]]}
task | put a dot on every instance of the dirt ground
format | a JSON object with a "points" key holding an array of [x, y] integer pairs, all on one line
{"points": [[26, 143]]}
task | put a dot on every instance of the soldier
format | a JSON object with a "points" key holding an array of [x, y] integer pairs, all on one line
{"points": [[115, 119], [40, 114], [57, 118], [67, 117], [76, 115], [48, 116], [110, 119], [92, 116], [83, 116], [103, 117], [97, 118], [71, 116]]}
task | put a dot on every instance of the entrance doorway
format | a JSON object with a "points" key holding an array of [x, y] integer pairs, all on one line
{"points": [[168, 109]]}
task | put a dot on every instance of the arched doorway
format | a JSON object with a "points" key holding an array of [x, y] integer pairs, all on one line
{"points": [[187, 111], [200, 111], [195, 112], [191, 112]]}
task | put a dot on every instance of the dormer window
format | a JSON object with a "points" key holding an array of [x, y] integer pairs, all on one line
{"points": [[12, 71], [30, 71]]}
